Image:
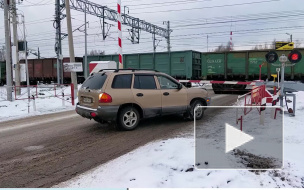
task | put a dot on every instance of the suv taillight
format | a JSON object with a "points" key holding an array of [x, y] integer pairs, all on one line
{"points": [[105, 98]]}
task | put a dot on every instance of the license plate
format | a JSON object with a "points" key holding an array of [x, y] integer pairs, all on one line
{"points": [[87, 100]]}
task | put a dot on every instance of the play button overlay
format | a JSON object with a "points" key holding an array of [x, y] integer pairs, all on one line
{"points": [[223, 142], [235, 138]]}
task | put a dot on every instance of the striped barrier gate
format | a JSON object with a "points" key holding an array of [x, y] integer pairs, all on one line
{"points": [[218, 82]]}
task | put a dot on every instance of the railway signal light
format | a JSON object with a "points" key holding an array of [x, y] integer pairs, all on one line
{"points": [[271, 57], [295, 56]]}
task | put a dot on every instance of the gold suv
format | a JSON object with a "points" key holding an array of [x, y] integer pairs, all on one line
{"points": [[125, 96]]}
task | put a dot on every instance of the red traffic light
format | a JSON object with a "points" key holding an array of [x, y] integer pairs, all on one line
{"points": [[295, 56]]}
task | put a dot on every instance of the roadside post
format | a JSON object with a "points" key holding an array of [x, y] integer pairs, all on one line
{"points": [[260, 72], [71, 42], [62, 92], [278, 71], [72, 94], [34, 102], [73, 67]]}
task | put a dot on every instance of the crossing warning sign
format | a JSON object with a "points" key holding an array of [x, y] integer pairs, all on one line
{"points": [[284, 45]]}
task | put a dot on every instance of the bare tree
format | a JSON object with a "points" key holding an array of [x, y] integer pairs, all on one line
{"points": [[273, 44], [297, 44], [97, 52], [256, 47], [221, 47]]}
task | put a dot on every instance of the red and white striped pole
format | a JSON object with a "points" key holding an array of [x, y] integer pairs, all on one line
{"points": [[119, 33], [230, 40]]}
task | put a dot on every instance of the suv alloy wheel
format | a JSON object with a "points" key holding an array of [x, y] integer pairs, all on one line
{"points": [[128, 118]]}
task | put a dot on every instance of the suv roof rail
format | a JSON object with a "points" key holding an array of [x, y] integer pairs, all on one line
{"points": [[117, 70], [107, 70]]}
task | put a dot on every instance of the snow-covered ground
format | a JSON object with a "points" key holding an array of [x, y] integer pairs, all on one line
{"points": [[170, 163], [45, 102], [216, 134]]}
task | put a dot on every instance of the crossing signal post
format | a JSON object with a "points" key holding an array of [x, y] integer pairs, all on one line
{"points": [[293, 57]]}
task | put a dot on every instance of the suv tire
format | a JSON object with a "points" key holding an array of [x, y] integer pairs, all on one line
{"points": [[199, 112], [128, 118]]}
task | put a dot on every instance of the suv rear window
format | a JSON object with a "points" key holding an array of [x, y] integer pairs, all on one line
{"points": [[122, 81], [95, 82], [144, 82]]}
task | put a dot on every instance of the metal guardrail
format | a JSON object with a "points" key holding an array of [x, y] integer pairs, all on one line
{"points": [[24, 95], [40, 91]]}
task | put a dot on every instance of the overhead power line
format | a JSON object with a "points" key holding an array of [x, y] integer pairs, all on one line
{"points": [[234, 17], [210, 7], [240, 20]]}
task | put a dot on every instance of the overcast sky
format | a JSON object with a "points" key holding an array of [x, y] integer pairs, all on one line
{"points": [[252, 22]]}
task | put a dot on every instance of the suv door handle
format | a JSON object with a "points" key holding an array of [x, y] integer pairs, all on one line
{"points": [[166, 93], [139, 94]]}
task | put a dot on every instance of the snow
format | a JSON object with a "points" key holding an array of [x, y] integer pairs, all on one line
{"points": [[170, 163], [211, 138], [45, 103]]}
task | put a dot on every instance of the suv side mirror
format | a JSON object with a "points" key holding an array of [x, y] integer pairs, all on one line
{"points": [[180, 86], [188, 85]]}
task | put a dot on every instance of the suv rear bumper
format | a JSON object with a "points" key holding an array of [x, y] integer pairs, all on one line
{"points": [[106, 113]]}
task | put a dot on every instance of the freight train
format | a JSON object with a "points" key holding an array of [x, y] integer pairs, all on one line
{"points": [[43, 70], [222, 66], [228, 66]]}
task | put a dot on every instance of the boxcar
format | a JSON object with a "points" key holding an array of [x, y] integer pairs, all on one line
{"points": [[179, 64], [244, 66], [45, 70]]}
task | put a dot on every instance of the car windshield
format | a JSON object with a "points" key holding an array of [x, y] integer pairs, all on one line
{"points": [[95, 81]]}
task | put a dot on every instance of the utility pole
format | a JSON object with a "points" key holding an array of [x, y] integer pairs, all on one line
{"points": [[58, 37], [290, 36], [71, 44], [154, 47], [8, 53], [15, 43], [168, 38], [153, 38], [38, 53], [58, 47], [26, 63], [86, 45], [207, 42]]}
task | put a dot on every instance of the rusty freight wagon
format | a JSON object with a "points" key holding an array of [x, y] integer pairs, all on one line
{"points": [[45, 70]]}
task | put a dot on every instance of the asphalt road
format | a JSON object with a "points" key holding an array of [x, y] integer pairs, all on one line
{"points": [[43, 151]]}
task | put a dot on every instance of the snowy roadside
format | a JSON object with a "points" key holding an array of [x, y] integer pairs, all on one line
{"points": [[170, 163], [46, 102]]}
